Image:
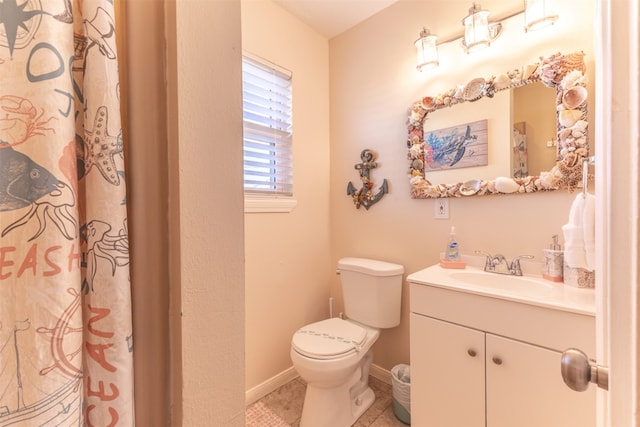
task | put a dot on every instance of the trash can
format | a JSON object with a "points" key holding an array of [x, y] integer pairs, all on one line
{"points": [[401, 391]]}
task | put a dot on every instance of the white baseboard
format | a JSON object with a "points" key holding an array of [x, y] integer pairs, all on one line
{"points": [[273, 383], [380, 373]]}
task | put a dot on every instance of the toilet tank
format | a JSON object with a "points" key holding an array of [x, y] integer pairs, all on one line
{"points": [[372, 291]]}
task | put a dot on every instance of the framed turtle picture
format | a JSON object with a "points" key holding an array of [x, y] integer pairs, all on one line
{"points": [[461, 146]]}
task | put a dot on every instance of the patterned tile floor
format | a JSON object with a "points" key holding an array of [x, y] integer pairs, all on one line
{"points": [[287, 401]]}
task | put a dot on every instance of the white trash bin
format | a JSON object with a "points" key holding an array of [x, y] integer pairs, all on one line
{"points": [[401, 390]]}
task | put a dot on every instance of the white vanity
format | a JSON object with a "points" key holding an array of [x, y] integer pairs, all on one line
{"points": [[486, 349]]}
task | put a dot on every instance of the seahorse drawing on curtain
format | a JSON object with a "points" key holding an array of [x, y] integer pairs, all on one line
{"points": [[66, 345]]}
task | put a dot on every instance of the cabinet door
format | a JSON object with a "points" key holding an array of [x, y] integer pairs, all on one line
{"points": [[447, 371], [524, 388]]}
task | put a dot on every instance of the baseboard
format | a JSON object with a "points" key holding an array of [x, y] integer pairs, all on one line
{"points": [[273, 383], [380, 373]]}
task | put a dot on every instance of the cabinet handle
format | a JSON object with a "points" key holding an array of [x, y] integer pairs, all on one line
{"points": [[497, 360], [471, 352]]}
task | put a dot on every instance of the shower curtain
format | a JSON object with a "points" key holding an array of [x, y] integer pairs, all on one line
{"points": [[66, 346]]}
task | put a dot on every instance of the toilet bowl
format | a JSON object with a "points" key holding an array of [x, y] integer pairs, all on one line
{"points": [[334, 355]]}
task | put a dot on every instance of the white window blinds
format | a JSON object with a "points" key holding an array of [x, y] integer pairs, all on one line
{"points": [[266, 94]]}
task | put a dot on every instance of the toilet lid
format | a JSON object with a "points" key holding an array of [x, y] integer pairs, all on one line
{"points": [[328, 338]]}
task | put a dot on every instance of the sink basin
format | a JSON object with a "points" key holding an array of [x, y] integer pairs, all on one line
{"points": [[528, 289], [521, 284]]}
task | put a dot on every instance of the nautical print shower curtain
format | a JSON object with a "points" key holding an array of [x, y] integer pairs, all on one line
{"points": [[66, 348]]}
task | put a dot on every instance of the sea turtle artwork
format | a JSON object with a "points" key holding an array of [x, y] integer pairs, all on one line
{"points": [[456, 147]]}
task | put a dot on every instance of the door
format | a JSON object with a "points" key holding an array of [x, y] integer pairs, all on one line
{"points": [[616, 166], [525, 390], [451, 359]]}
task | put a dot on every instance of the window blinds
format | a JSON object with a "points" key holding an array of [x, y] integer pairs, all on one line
{"points": [[266, 93]]}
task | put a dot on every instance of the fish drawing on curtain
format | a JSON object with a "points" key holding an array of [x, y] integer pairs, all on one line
{"points": [[23, 182]]}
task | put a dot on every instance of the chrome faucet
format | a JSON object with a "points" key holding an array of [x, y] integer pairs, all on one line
{"points": [[493, 264]]}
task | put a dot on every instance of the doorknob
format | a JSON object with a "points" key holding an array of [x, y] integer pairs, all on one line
{"points": [[578, 371]]}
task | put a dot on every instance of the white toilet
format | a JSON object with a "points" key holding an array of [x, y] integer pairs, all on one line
{"points": [[333, 356]]}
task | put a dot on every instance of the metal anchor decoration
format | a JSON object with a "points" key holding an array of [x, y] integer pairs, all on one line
{"points": [[364, 196]]}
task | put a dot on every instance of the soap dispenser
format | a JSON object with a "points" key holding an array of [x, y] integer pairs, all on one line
{"points": [[453, 252], [553, 261]]}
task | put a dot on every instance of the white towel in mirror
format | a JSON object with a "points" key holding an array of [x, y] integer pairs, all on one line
{"points": [[589, 227], [579, 233]]}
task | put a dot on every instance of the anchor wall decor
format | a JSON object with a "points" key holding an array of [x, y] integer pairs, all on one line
{"points": [[364, 196]]}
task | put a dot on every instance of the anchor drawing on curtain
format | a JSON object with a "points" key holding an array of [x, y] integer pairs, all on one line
{"points": [[61, 405]]}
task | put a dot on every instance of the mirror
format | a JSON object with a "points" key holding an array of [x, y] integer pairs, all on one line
{"points": [[483, 151], [534, 143]]}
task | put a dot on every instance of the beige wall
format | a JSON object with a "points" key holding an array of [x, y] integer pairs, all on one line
{"points": [[206, 204], [287, 254], [373, 82], [145, 137], [184, 128]]}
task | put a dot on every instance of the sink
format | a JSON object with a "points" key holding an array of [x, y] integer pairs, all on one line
{"points": [[528, 289], [521, 284]]}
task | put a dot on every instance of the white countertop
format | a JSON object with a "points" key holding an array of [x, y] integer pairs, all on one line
{"points": [[530, 288]]}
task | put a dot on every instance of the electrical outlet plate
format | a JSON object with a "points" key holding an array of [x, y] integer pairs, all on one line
{"points": [[442, 209]]}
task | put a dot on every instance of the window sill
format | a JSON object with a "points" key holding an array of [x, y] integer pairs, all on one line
{"points": [[268, 205]]}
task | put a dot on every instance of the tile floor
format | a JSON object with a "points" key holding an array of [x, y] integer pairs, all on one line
{"points": [[287, 401]]}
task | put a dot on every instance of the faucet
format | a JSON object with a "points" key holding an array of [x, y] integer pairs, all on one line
{"points": [[492, 264]]}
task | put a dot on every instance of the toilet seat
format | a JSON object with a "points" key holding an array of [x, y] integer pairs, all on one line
{"points": [[329, 339]]}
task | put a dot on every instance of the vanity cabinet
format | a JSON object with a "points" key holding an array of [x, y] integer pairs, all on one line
{"points": [[447, 374], [484, 361]]}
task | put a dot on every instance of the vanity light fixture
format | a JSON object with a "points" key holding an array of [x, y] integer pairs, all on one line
{"points": [[427, 50], [538, 14], [478, 31]]}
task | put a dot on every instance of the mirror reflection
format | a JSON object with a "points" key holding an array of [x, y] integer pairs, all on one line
{"points": [[517, 132], [534, 141]]}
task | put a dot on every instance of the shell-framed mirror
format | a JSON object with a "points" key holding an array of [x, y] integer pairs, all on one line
{"points": [[427, 150]]}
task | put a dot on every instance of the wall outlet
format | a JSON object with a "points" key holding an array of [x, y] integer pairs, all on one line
{"points": [[442, 209]]}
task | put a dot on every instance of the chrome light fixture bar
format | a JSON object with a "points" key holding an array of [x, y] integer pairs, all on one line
{"points": [[479, 32]]}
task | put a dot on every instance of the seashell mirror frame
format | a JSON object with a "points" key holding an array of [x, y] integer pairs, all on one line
{"points": [[565, 73]]}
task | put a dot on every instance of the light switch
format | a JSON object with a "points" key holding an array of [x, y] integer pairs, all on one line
{"points": [[442, 209]]}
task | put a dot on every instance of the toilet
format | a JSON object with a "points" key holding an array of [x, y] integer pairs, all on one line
{"points": [[334, 355]]}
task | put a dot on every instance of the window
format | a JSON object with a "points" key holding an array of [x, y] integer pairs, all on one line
{"points": [[268, 165]]}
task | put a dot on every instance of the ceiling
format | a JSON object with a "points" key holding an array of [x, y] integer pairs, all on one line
{"points": [[332, 17]]}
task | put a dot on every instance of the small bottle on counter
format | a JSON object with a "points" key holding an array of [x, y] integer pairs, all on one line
{"points": [[453, 252], [553, 261]]}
